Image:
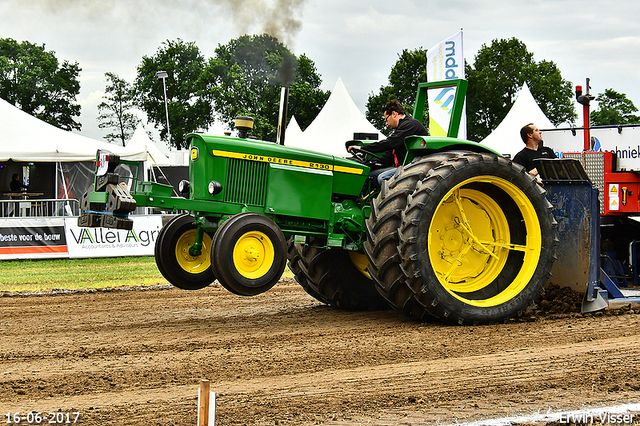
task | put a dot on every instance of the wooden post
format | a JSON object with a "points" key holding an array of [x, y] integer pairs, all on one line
{"points": [[203, 403]]}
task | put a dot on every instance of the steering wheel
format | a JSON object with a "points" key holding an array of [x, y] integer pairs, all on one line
{"points": [[360, 155]]}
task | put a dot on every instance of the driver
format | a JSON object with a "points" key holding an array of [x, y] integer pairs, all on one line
{"points": [[393, 146]]}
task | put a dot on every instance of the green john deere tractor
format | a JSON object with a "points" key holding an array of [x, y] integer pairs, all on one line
{"points": [[459, 233]]}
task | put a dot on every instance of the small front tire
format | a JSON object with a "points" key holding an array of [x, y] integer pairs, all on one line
{"points": [[173, 257], [249, 254]]}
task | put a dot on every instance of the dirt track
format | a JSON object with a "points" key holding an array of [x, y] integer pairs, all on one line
{"points": [[136, 357]]}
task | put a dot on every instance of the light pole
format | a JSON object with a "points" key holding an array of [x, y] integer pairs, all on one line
{"points": [[162, 75]]}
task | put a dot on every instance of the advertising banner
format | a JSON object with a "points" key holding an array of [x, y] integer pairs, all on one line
{"points": [[623, 141], [445, 61], [32, 238], [57, 237], [106, 242]]}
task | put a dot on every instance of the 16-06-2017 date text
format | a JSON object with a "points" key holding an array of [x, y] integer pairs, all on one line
{"points": [[38, 418]]}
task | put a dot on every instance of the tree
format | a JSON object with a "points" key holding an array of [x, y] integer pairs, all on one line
{"points": [[614, 108], [33, 80], [306, 99], [188, 93], [115, 110], [246, 76], [409, 70], [498, 72]]}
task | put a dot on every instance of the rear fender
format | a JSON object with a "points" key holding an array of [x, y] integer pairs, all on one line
{"points": [[418, 146]]}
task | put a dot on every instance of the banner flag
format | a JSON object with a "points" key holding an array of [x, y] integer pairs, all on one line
{"points": [[445, 61]]}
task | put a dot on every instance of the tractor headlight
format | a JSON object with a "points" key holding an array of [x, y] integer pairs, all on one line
{"points": [[215, 187], [183, 187]]}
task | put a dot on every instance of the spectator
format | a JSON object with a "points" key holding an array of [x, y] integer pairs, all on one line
{"points": [[64, 189], [15, 185], [534, 148]]}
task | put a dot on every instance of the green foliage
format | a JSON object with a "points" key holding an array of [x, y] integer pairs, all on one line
{"points": [[188, 92], [32, 79], [614, 109], [115, 110], [246, 76], [306, 99], [498, 72], [409, 70]]}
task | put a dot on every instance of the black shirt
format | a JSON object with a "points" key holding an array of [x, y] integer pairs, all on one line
{"points": [[393, 145], [526, 156], [15, 186]]}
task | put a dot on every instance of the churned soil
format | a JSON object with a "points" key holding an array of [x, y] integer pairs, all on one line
{"points": [[136, 357]]}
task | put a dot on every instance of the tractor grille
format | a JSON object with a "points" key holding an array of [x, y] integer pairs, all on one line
{"points": [[246, 182]]}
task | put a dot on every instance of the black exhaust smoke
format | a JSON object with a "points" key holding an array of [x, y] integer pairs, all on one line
{"points": [[286, 74]]}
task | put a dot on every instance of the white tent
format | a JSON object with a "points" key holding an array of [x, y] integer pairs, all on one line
{"points": [[293, 130], [506, 137], [140, 141], [24, 138], [336, 123]]}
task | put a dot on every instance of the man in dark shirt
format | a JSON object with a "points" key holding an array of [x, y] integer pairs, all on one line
{"points": [[393, 146], [15, 185], [532, 138]]}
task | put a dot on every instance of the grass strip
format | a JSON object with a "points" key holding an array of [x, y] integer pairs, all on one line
{"points": [[74, 274], [25, 276]]}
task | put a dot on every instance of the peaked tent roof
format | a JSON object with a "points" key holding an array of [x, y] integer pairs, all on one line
{"points": [[140, 142], [336, 123], [23, 137], [292, 131], [506, 137]]}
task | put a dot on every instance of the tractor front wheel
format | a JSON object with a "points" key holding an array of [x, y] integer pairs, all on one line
{"points": [[249, 254], [174, 259]]}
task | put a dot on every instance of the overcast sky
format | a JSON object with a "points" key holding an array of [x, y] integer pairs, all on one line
{"points": [[357, 40]]}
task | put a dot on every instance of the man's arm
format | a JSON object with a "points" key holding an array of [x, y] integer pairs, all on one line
{"points": [[395, 139]]}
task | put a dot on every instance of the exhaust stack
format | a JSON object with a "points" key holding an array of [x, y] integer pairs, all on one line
{"points": [[282, 115]]}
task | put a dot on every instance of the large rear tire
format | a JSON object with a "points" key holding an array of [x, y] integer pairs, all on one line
{"points": [[477, 240], [337, 277], [383, 237], [173, 259], [297, 267]]}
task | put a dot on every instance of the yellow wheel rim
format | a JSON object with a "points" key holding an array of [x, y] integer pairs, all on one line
{"points": [[253, 255], [189, 263], [469, 241], [360, 261]]}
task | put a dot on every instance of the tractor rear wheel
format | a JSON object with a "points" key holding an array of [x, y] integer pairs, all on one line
{"points": [[381, 247], [249, 254], [477, 240], [296, 265], [336, 276], [175, 262]]}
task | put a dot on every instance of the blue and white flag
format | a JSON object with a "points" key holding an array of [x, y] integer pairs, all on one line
{"points": [[445, 61]]}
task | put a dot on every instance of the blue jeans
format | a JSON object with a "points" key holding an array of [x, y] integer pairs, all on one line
{"points": [[386, 174]]}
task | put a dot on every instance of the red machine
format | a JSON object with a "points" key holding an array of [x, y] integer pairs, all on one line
{"points": [[615, 237]]}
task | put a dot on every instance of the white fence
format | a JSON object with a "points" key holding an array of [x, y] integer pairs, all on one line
{"points": [[36, 207]]}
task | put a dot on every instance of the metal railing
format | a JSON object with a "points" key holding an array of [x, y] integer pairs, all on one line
{"points": [[36, 207]]}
